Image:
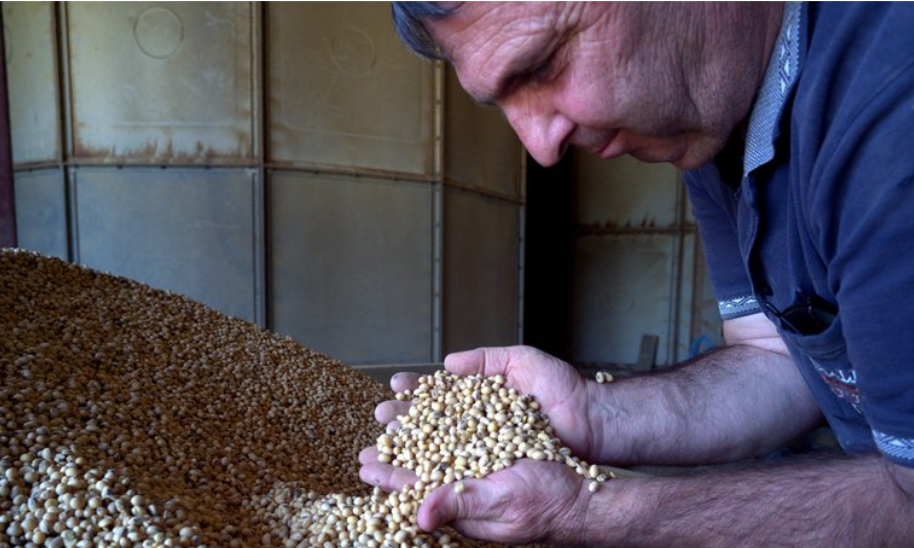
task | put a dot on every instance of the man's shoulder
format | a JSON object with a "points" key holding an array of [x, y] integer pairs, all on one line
{"points": [[855, 96], [854, 50]]}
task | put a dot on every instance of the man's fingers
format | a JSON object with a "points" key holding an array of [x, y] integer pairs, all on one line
{"points": [[444, 505], [388, 411], [386, 476], [481, 361], [404, 381], [489, 362], [369, 455]]}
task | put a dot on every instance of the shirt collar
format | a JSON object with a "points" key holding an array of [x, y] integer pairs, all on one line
{"points": [[780, 76]]}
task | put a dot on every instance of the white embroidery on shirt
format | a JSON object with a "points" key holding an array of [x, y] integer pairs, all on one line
{"points": [[842, 382]]}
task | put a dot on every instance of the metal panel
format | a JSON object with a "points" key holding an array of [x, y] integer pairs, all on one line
{"points": [[624, 192], [344, 91], [480, 271], [30, 42], [706, 327], [351, 266], [480, 149], [684, 274], [622, 290], [41, 212], [161, 82], [187, 230], [689, 217]]}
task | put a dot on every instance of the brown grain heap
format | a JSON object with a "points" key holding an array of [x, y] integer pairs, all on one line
{"points": [[135, 417]]}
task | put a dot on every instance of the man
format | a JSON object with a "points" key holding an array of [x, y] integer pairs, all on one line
{"points": [[795, 122]]}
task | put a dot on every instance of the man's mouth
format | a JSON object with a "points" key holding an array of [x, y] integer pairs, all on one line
{"points": [[612, 148]]}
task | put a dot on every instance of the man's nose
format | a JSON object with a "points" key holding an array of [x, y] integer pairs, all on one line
{"points": [[544, 131]]}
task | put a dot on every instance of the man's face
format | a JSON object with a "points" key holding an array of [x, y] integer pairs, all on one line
{"points": [[610, 78]]}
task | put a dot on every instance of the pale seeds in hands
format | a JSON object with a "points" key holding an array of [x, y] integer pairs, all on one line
{"points": [[457, 428]]}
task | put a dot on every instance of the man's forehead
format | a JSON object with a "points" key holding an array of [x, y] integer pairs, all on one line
{"points": [[475, 24]]}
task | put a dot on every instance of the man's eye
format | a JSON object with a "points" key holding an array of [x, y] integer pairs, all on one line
{"points": [[544, 71]]}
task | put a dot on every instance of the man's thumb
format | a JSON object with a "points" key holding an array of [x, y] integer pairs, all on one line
{"points": [[468, 362], [444, 505]]}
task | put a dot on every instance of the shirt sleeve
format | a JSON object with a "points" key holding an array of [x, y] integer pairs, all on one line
{"points": [[714, 206], [861, 210]]}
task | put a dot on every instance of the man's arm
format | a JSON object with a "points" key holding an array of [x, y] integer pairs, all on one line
{"points": [[842, 502], [733, 403]]}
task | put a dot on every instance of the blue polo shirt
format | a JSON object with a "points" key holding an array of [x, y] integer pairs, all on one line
{"points": [[810, 218]]}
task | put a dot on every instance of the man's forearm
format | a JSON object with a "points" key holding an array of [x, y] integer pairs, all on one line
{"points": [[730, 404], [843, 502]]}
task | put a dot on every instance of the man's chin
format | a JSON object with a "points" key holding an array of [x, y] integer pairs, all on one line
{"points": [[657, 151], [698, 152], [659, 157], [684, 154], [682, 160], [686, 163]]}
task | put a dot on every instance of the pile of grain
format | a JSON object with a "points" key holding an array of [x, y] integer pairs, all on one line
{"points": [[134, 417]]}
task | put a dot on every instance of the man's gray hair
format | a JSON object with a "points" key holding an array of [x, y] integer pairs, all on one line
{"points": [[409, 21]]}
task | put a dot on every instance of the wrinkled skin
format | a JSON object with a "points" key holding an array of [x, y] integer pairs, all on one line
{"points": [[530, 501], [661, 82]]}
